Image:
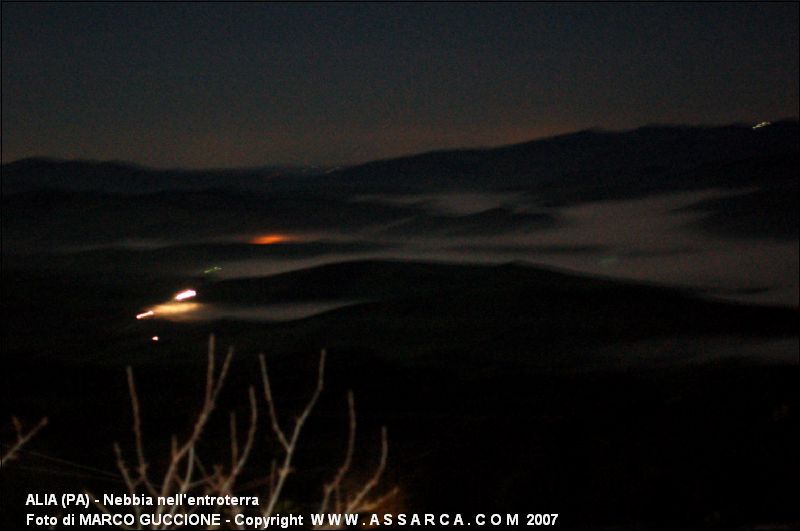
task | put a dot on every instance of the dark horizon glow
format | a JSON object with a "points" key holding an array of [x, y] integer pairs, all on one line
{"points": [[237, 85]]}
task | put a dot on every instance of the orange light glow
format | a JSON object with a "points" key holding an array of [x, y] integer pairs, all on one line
{"points": [[173, 308], [145, 315], [269, 239]]}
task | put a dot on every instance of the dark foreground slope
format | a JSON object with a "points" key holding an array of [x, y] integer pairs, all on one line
{"points": [[491, 315], [480, 373], [430, 313]]}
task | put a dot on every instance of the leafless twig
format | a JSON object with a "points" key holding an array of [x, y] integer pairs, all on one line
{"points": [[289, 444], [186, 473], [335, 484], [22, 439]]}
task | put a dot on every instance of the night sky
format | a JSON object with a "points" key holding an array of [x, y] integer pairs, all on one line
{"points": [[213, 85]]}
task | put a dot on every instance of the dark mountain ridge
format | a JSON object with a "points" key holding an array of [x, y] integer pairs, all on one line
{"points": [[567, 167], [653, 158]]}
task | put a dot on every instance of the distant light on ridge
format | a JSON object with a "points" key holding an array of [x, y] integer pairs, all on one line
{"points": [[269, 239]]}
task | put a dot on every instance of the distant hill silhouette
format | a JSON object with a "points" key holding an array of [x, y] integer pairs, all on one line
{"points": [[585, 165], [592, 164], [123, 177]]}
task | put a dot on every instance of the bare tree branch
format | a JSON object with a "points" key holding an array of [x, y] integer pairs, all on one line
{"points": [[335, 484], [186, 473], [356, 503], [289, 445], [22, 439]]}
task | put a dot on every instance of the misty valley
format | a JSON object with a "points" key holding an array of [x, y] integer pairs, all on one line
{"points": [[601, 325]]}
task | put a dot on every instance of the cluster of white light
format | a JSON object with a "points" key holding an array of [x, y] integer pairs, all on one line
{"points": [[171, 308], [185, 294]]}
